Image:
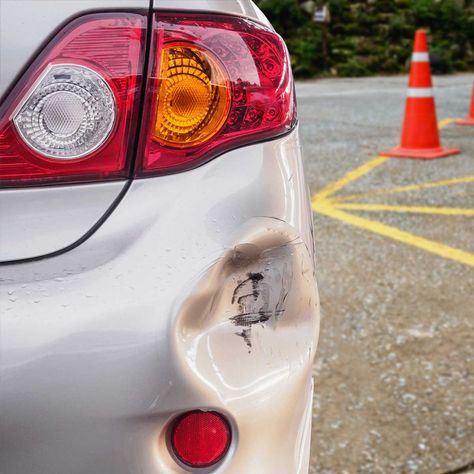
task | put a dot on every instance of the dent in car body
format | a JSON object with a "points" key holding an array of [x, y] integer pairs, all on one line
{"points": [[103, 346], [264, 286]]}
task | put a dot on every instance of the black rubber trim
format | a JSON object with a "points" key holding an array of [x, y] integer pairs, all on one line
{"points": [[143, 89]]}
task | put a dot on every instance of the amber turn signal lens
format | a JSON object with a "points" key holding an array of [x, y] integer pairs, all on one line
{"points": [[194, 97]]}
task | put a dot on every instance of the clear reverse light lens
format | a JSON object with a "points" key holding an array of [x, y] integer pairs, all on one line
{"points": [[69, 113]]}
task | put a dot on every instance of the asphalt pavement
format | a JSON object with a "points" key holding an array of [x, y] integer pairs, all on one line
{"points": [[394, 375]]}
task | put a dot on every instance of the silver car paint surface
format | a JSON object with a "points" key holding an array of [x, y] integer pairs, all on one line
{"points": [[100, 347], [48, 219]]}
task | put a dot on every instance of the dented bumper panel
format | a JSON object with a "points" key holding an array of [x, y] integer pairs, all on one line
{"points": [[198, 292]]}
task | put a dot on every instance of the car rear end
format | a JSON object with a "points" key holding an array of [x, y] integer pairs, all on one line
{"points": [[159, 312]]}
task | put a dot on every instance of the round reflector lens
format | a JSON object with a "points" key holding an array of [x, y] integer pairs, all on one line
{"points": [[194, 97], [200, 439], [69, 113]]}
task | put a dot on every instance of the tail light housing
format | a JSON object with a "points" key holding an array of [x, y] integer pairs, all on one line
{"points": [[89, 104], [240, 90], [73, 114]]}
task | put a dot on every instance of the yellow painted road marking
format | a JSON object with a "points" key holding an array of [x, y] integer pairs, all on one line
{"points": [[324, 202], [444, 211], [443, 123], [404, 189], [392, 232], [355, 174]]}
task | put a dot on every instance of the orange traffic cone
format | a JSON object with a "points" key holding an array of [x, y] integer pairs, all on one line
{"points": [[470, 119], [420, 135]]}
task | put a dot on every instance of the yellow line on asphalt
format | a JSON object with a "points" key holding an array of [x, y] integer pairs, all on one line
{"points": [[444, 211], [353, 175], [436, 248], [357, 173], [404, 189], [443, 123], [325, 203]]}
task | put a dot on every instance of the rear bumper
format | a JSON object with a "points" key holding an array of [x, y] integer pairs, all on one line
{"points": [[158, 313]]}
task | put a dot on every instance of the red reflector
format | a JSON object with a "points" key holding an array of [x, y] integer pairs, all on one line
{"points": [[200, 439]]}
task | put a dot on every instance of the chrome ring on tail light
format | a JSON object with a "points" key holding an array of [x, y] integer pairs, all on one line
{"points": [[69, 113]]}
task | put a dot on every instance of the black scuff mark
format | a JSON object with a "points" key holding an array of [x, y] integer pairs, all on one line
{"points": [[253, 305], [243, 297], [250, 319], [281, 302], [245, 334], [252, 277]]}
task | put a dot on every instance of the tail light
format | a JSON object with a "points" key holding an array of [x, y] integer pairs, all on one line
{"points": [[200, 439], [72, 116], [214, 83]]}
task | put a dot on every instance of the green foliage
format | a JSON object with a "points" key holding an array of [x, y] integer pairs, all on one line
{"points": [[374, 36], [303, 40]]}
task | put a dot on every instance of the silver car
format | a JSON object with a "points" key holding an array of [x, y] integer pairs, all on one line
{"points": [[159, 310]]}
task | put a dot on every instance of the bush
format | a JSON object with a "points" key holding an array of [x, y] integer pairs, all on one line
{"points": [[353, 68], [374, 37]]}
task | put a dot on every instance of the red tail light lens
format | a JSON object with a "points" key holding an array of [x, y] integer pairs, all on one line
{"points": [[200, 439], [216, 83], [73, 114]]}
